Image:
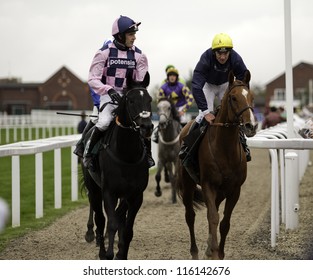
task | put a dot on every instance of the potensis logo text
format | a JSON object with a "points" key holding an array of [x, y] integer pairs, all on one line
{"points": [[122, 63]]}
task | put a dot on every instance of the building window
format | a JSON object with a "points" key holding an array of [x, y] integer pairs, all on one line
{"points": [[301, 95], [279, 94]]}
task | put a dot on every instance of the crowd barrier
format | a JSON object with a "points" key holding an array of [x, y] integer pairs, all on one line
{"points": [[289, 160], [37, 147], [291, 154]]}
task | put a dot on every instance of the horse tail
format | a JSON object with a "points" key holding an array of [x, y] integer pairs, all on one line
{"points": [[83, 188], [186, 183]]}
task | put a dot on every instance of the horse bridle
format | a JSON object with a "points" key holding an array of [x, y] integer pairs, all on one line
{"points": [[237, 114], [134, 126]]}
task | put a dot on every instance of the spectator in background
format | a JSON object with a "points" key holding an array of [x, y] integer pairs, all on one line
{"points": [[272, 118], [282, 112]]}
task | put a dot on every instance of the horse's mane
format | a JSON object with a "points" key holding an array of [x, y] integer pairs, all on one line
{"points": [[173, 108]]}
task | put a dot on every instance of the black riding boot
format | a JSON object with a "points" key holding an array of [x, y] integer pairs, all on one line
{"points": [[96, 134], [147, 143], [243, 141], [184, 150], [79, 151]]}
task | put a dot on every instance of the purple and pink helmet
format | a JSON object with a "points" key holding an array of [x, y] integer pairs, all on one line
{"points": [[124, 24]]}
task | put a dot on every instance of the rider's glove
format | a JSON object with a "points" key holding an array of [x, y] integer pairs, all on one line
{"points": [[114, 95]]}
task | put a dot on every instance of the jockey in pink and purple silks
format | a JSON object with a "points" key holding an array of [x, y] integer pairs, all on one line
{"points": [[80, 147], [107, 77]]}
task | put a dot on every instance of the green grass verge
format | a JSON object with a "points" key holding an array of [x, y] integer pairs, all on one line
{"points": [[27, 196]]}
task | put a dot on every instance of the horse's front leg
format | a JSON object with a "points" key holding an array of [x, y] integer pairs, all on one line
{"points": [[172, 178], [110, 203], [100, 224], [90, 235], [158, 191], [126, 236], [190, 214], [225, 223], [212, 251]]}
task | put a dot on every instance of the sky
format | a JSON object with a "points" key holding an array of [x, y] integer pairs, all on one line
{"points": [[38, 37]]}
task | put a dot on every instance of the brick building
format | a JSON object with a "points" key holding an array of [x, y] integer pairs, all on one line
{"points": [[62, 91], [302, 87]]}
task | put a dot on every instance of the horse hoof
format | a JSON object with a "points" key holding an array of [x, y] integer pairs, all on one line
{"points": [[89, 236], [158, 193]]}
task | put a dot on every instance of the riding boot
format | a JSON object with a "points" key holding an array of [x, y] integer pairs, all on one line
{"points": [[147, 143], [243, 141], [79, 150], [88, 157], [155, 138], [184, 150]]}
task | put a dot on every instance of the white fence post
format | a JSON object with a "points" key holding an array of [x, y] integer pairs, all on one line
{"points": [[292, 190], [74, 175], [274, 197], [39, 185], [57, 179], [16, 191]]}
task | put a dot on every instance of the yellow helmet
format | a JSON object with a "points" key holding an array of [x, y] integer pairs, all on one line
{"points": [[172, 70], [222, 42], [168, 67]]}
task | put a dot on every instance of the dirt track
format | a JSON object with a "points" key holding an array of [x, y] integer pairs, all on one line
{"points": [[161, 233]]}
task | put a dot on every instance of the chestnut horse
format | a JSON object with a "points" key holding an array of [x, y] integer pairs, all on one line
{"points": [[222, 166]]}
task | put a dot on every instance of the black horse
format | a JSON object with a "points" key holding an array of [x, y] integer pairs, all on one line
{"points": [[122, 171]]}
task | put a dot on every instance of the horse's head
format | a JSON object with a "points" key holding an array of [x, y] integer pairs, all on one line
{"points": [[134, 110], [239, 101], [166, 112]]}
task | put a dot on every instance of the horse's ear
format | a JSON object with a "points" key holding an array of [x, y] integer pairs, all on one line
{"points": [[247, 77], [146, 81], [131, 83], [129, 80], [231, 77]]}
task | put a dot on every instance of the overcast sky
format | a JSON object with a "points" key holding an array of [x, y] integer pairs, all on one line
{"points": [[38, 37]]}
